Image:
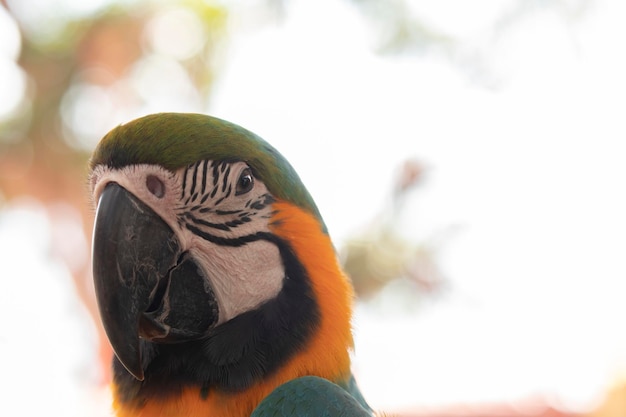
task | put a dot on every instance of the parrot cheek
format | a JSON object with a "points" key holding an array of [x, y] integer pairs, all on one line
{"points": [[242, 278]]}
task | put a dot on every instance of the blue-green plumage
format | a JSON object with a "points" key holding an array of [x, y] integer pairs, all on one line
{"points": [[311, 396]]}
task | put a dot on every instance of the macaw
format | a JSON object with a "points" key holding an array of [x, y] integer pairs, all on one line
{"points": [[217, 283]]}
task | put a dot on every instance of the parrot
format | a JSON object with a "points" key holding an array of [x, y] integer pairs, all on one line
{"points": [[217, 283]]}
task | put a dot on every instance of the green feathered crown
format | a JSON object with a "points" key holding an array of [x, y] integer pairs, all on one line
{"points": [[175, 140]]}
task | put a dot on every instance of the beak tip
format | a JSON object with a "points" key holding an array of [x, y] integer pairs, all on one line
{"points": [[137, 373], [133, 366]]}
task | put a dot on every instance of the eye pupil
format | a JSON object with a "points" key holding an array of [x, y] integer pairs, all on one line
{"points": [[245, 182]]}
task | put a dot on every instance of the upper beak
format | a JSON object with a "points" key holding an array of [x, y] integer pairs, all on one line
{"points": [[146, 285]]}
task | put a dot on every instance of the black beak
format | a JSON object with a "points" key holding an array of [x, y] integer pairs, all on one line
{"points": [[146, 285]]}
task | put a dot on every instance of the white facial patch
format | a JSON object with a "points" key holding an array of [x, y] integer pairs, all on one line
{"points": [[213, 208], [243, 277]]}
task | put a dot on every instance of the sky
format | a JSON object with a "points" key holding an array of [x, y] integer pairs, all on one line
{"points": [[525, 164]]}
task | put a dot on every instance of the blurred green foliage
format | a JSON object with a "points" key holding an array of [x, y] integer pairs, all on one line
{"points": [[82, 78]]}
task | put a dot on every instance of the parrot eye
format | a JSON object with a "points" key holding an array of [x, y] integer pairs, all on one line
{"points": [[245, 182]]}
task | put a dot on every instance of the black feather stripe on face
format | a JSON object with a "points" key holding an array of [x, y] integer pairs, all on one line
{"points": [[189, 138], [204, 209], [237, 353]]}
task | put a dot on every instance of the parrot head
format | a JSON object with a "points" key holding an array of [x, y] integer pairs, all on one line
{"points": [[212, 265]]}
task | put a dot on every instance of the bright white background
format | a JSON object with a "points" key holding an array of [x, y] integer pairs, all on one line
{"points": [[529, 164]]}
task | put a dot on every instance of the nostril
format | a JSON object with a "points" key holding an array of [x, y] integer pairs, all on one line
{"points": [[155, 186]]}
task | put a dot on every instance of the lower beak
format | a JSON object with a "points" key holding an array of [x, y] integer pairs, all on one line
{"points": [[146, 285]]}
